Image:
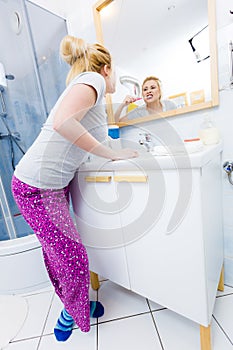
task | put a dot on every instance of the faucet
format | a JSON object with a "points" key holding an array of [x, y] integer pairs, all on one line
{"points": [[228, 167], [147, 141]]}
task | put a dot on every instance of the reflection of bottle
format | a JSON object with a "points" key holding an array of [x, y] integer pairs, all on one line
{"points": [[209, 133], [114, 137], [114, 131]]}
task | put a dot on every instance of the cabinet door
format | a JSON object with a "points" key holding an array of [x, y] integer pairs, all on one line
{"points": [[166, 257], [96, 209]]}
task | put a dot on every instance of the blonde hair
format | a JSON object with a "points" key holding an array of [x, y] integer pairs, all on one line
{"points": [[83, 57], [158, 81]]}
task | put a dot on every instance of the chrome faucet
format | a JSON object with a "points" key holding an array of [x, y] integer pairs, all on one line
{"points": [[146, 140], [228, 167]]}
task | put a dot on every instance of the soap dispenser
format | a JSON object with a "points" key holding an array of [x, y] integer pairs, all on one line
{"points": [[209, 133]]}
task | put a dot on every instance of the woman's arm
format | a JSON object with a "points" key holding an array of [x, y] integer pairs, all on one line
{"points": [[127, 100], [67, 119]]}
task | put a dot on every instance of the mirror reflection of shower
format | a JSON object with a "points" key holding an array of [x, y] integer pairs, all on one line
{"points": [[132, 84], [13, 136]]}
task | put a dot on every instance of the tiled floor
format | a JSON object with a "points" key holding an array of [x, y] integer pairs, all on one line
{"points": [[130, 322]]}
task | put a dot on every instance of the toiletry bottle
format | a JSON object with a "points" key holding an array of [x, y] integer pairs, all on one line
{"points": [[114, 137], [209, 133]]}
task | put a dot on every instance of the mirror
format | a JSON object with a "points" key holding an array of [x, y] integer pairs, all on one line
{"points": [[167, 39]]}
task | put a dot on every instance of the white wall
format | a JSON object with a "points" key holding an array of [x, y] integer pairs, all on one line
{"points": [[78, 14], [224, 116], [80, 19]]}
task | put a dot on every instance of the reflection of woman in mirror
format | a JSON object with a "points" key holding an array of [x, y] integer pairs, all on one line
{"points": [[151, 94]]}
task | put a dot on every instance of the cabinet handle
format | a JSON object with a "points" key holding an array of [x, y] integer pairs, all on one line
{"points": [[98, 178], [130, 178]]}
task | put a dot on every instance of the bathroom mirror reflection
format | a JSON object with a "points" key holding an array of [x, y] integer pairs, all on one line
{"points": [[170, 40]]}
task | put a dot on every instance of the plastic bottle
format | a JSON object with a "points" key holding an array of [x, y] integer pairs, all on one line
{"points": [[209, 133]]}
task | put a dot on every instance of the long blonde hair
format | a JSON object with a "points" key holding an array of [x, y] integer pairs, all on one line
{"points": [[83, 57]]}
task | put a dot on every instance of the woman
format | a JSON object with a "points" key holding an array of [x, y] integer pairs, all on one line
{"points": [[151, 94], [76, 126]]}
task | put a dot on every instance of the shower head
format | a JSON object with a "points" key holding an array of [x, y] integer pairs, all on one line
{"points": [[132, 84]]}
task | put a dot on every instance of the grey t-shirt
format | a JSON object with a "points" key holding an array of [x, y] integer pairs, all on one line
{"points": [[142, 111], [52, 160]]}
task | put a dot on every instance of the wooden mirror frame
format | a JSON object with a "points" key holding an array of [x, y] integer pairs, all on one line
{"points": [[99, 5]]}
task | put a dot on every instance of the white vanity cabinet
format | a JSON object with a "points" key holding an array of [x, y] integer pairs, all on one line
{"points": [[178, 268], [168, 223]]}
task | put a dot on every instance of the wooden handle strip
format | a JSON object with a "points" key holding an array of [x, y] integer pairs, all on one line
{"points": [[98, 178], [130, 178]]}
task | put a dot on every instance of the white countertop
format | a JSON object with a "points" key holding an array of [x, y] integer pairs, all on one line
{"points": [[146, 161]]}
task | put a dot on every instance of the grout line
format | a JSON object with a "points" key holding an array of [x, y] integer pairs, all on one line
{"points": [[124, 317], [41, 335], [222, 296], [46, 319], [133, 315], [49, 334], [156, 328], [97, 336], [97, 326], [222, 329], [161, 309], [225, 295], [48, 289], [227, 285], [23, 339]]}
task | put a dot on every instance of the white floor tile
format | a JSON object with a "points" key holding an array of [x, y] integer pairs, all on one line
{"points": [[78, 340], [119, 302], [154, 306], [219, 340], [38, 310], [31, 344], [223, 312], [136, 333], [101, 278], [49, 288], [13, 313], [55, 311], [227, 290], [179, 333]]}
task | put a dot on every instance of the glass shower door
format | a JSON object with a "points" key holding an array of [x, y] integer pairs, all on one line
{"points": [[30, 56]]}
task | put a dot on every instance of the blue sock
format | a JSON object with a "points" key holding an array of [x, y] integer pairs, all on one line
{"points": [[96, 309], [64, 326], [65, 322]]}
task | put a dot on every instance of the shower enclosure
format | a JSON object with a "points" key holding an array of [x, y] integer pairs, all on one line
{"points": [[29, 53]]}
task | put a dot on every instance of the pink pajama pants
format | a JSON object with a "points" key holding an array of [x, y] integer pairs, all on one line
{"points": [[65, 257]]}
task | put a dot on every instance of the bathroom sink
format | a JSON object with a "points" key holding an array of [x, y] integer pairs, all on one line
{"points": [[177, 149], [155, 161]]}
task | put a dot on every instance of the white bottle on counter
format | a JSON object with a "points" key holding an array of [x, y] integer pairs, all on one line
{"points": [[209, 133]]}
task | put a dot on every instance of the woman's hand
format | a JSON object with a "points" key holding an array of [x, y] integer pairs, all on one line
{"points": [[127, 100], [125, 153]]}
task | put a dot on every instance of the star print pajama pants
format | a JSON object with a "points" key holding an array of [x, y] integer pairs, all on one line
{"points": [[65, 257]]}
